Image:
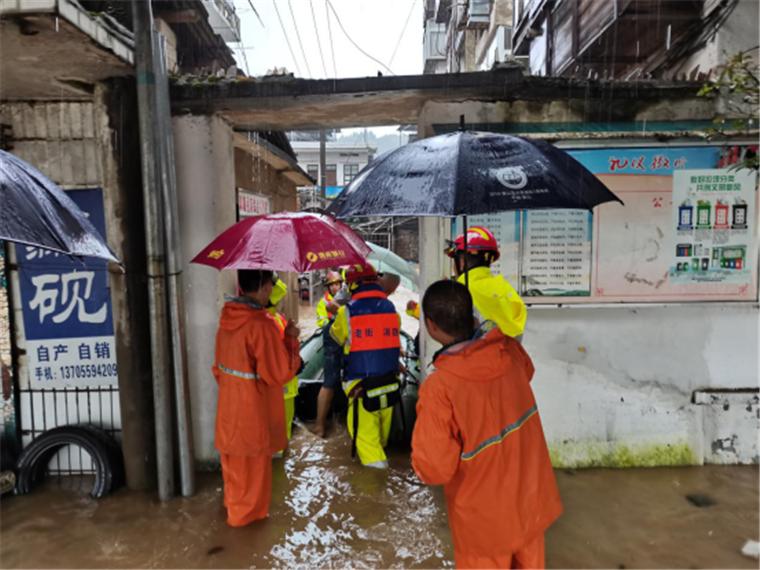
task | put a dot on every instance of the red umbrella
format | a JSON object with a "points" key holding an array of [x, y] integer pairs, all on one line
{"points": [[288, 241]]}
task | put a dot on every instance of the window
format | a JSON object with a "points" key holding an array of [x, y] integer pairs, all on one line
{"points": [[313, 171], [331, 175], [349, 173]]}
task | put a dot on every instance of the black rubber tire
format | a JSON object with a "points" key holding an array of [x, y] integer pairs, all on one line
{"points": [[31, 465], [115, 456]]}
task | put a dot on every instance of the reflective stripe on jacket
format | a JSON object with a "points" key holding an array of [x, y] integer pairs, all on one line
{"points": [[479, 434], [252, 363], [368, 327], [496, 300]]}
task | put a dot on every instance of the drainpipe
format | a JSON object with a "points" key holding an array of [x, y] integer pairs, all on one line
{"points": [[174, 277], [154, 236]]}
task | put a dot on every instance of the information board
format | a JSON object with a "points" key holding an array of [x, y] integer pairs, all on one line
{"points": [[687, 232]]}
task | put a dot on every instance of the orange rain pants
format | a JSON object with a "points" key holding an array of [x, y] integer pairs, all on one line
{"points": [[247, 487], [529, 556]]}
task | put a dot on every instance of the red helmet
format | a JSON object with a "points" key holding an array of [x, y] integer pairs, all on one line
{"points": [[356, 273], [478, 239]]}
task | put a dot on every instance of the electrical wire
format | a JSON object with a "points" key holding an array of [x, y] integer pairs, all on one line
{"points": [[316, 32], [403, 30], [287, 41], [332, 47], [250, 3], [298, 37], [350, 39], [242, 50]]}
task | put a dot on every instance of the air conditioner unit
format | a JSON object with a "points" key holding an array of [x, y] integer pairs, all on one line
{"points": [[479, 13]]}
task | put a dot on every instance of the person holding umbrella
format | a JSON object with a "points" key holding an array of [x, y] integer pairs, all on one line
{"points": [[252, 363], [369, 329], [493, 297]]}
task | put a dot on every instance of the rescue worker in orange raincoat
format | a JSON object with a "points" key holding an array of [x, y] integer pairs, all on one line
{"points": [[251, 365], [478, 434], [494, 298], [369, 328]]}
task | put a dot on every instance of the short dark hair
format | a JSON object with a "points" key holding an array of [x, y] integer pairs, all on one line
{"points": [[449, 305], [251, 280]]}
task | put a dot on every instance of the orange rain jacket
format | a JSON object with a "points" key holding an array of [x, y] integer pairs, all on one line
{"points": [[252, 365], [478, 433]]}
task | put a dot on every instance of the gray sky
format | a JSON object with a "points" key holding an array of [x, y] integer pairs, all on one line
{"points": [[375, 25]]}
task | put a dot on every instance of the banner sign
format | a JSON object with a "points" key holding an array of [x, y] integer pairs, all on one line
{"points": [[66, 306]]}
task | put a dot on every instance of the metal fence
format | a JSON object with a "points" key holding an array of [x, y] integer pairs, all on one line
{"points": [[42, 410]]}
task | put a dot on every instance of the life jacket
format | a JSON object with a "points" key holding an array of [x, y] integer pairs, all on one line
{"points": [[373, 338]]}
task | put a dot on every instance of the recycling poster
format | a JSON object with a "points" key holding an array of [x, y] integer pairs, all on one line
{"points": [[713, 226]]}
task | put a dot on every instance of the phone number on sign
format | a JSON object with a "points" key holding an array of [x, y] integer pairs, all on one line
{"points": [[88, 371]]}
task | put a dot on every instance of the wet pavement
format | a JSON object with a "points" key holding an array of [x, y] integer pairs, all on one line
{"points": [[329, 512]]}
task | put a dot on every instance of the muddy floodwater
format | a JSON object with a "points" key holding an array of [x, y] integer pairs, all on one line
{"points": [[329, 512]]}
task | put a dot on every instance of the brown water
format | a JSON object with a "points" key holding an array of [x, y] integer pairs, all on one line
{"points": [[329, 512]]}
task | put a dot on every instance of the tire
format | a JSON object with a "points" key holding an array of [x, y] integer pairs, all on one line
{"points": [[103, 450]]}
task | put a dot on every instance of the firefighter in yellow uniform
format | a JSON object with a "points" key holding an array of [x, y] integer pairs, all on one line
{"points": [[290, 390], [327, 308], [368, 329], [493, 297]]}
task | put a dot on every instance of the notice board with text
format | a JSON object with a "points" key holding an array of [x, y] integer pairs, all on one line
{"points": [[687, 232]]}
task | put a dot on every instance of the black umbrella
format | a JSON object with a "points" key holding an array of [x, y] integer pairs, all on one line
{"points": [[36, 212], [467, 173]]}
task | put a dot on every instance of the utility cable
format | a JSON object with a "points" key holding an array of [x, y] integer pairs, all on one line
{"points": [[287, 41], [316, 32], [332, 47], [403, 31], [345, 33], [242, 50], [298, 37], [250, 3]]}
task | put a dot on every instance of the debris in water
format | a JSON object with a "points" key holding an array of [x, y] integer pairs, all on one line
{"points": [[214, 550], [700, 500]]}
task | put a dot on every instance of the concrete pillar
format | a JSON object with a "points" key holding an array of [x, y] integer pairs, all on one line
{"points": [[434, 265], [205, 163], [121, 177]]}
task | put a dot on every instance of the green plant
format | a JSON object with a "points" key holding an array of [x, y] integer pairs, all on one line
{"points": [[738, 88]]}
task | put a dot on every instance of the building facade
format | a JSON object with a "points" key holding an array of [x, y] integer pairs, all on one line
{"points": [[343, 161], [69, 106], [632, 39]]}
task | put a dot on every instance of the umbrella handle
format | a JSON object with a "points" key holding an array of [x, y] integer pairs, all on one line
{"points": [[464, 229]]}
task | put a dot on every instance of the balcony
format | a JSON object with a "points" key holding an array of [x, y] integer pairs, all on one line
{"points": [[434, 47], [223, 19]]}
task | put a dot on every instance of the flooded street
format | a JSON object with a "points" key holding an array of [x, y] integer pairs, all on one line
{"points": [[329, 512]]}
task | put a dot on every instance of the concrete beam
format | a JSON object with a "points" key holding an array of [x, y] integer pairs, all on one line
{"points": [[284, 103]]}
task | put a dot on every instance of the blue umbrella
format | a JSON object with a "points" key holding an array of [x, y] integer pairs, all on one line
{"points": [[36, 212], [467, 173]]}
